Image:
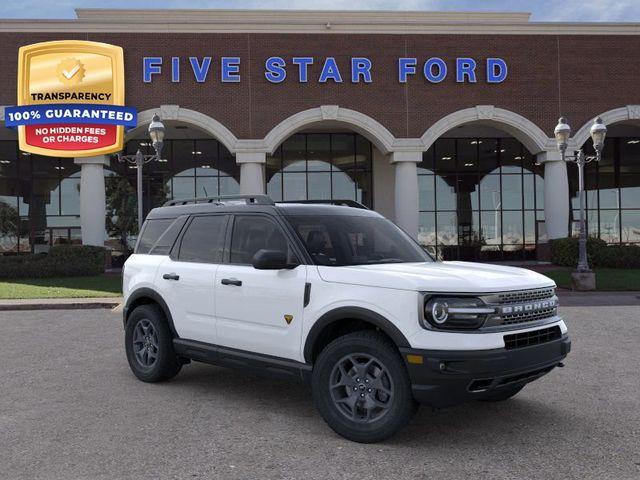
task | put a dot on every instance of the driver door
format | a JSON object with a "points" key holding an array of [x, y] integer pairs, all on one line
{"points": [[259, 310]]}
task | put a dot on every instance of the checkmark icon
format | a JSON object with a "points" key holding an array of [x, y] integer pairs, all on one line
{"points": [[71, 73]]}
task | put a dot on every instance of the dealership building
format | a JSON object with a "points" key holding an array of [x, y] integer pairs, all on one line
{"points": [[443, 122]]}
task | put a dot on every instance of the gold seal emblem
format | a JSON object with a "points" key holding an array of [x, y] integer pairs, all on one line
{"points": [[70, 71]]}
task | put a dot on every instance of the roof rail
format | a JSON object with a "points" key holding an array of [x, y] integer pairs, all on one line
{"points": [[222, 199], [344, 203]]}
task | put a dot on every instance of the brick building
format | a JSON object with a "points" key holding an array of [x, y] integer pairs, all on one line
{"points": [[441, 121]]}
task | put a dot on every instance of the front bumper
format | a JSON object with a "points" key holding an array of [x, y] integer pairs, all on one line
{"points": [[446, 378]]}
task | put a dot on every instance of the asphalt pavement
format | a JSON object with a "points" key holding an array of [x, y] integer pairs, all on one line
{"points": [[71, 409]]}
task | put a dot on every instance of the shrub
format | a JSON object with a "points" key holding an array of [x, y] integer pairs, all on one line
{"points": [[61, 261], [564, 252]]}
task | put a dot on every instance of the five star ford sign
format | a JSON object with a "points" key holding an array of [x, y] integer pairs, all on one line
{"points": [[71, 99]]}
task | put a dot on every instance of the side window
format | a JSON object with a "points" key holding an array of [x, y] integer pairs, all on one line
{"points": [[167, 239], [204, 240], [252, 233], [318, 242], [151, 232]]}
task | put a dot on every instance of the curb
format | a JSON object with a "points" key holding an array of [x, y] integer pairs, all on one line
{"points": [[8, 307]]}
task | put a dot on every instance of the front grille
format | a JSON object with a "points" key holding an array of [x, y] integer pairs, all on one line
{"points": [[525, 295], [522, 306], [533, 337], [516, 318]]}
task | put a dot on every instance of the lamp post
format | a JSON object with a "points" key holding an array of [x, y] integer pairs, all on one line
{"points": [[156, 133], [562, 133]]}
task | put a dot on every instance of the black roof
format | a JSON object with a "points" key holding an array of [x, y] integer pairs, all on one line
{"points": [[257, 204]]}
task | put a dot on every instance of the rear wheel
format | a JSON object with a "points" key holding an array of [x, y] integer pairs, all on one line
{"points": [[361, 387], [149, 345], [503, 394]]}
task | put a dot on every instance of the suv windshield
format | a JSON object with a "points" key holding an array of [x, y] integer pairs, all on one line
{"points": [[355, 240]]}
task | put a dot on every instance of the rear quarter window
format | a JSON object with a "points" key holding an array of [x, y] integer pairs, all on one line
{"points": [[158, 234]]}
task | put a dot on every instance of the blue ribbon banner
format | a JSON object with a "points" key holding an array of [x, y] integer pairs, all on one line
{"points": [[70, 113]]}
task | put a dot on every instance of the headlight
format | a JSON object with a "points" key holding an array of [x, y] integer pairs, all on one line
{"points": [[452, 313]]}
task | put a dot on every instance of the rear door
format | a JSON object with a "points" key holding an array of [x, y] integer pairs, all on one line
{"points": [[260, 310], [186, 279]]}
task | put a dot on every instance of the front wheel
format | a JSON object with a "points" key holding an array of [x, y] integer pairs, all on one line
{"points": [[361, 387], [149, 345]]}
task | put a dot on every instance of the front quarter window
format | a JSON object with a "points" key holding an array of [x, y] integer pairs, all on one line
{"points": [[343, 240]]}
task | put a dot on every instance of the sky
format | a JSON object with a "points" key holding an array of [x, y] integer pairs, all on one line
{"points": [[542, 10]]}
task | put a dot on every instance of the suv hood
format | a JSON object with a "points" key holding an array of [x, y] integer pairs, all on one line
{"points": [[452, 277]]}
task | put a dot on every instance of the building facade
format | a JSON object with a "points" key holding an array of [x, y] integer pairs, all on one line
{"points": [[443, 122]]}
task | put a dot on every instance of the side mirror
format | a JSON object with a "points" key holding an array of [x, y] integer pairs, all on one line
{"points": [[271, 260]]}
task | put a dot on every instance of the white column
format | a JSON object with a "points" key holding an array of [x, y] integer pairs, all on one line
{"points": [[406, 190], [251, 172], [556, 194], [93, 208]]}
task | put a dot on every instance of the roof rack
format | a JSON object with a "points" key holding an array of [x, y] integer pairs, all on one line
{"points": [[344, 203], [222, 199]]}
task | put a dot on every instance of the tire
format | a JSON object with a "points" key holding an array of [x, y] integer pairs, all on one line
{"points": [[502, 394], [148, 334], [370, 399]]}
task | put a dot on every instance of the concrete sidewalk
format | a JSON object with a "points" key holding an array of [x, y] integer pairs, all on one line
{"points": [[59, 303]]}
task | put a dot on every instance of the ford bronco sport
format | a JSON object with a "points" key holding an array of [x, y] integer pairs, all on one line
{"points": [[338, 296]]}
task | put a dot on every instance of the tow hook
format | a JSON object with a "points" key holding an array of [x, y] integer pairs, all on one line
{"points": [[561, 365]]}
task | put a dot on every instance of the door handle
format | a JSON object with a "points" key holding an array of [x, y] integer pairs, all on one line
{"points": [[171, 276], [231, 281]]}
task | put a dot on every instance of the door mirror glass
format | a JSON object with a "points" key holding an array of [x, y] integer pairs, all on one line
{"points": [[271, 260]]}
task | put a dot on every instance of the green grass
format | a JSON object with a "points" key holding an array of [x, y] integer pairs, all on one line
{"points": [[607, 279], [69, 287]]}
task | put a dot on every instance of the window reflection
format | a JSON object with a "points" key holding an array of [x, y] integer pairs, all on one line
{"points": [[321, 166], [479, 199], [612, 191]]}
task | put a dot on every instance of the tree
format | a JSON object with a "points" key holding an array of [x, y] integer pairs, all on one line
{"points": [[122, 216], [9, 222]]}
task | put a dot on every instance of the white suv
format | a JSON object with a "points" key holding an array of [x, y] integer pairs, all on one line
{"points": [[339, 297]]}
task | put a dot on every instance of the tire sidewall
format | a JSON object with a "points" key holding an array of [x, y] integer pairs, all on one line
{"points": [[166, 361], [403, 403]]}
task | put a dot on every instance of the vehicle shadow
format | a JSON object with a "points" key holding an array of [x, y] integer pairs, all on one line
{"points": [[511, 422]]}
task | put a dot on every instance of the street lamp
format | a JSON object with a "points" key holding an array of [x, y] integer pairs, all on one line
{"points": [[156, 133], [562, 133]]}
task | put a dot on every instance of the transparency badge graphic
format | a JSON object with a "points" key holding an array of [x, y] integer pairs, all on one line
{"points": [[70, 99]]}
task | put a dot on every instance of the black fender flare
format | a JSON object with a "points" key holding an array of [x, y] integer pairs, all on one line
{"points": [[355, 313], [145, 292]]}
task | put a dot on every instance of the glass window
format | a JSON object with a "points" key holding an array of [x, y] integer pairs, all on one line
{"points": [[163, 245], [294, 153], [609, 226], [426, 189], [342, 186], [445, 156], [630, 190], [630, 226], [355, 240], [203, 241], [490, 198], [319, 153], [206, 186], [512, 192], [511, 155], [252, 233], [445, 193], [488, 155], [182, 163], [321, 166], [151, 233]]}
